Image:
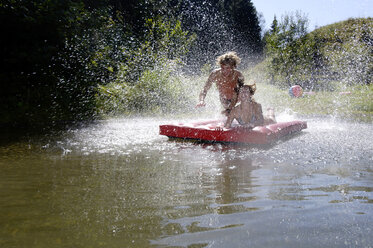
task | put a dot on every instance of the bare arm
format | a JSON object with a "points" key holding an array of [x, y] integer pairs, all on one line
{"points": [[231, 116], [206, 88], [259, 119]]}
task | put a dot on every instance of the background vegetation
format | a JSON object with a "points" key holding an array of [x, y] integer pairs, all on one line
{"points": [[75, 60], [324, 59]]}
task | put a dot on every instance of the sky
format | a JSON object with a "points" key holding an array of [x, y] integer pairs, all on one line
{"points": [[318, 12]]}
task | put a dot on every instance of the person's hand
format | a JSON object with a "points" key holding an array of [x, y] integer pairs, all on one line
{"points": [[201, 104], [249, 125]]}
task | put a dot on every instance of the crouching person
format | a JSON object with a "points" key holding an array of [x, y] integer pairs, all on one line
{"points": [[249, 113]]}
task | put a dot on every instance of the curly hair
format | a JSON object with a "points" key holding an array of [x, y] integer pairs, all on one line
{"points": [[229, 58]]}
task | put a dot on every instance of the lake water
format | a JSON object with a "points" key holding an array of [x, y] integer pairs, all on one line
{"points": [[117, 183]]}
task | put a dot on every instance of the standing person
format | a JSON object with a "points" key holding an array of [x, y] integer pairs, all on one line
{"points": [[228, 81], [249, 113]]}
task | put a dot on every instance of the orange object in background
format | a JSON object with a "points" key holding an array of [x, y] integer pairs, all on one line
{"points": [[296, 91]]}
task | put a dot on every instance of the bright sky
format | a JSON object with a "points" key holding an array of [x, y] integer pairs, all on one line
{"points": [[318, 12]]}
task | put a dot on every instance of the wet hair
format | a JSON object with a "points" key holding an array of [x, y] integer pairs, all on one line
{"points": [[251, 88], [229, 58]]}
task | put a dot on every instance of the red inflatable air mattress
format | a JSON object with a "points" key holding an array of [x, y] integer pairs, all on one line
{"points": [[212, 131]]}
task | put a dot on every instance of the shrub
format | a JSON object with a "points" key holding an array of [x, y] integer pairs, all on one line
{"points": [[157, 91]]}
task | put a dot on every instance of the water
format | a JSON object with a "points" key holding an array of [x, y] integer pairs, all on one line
{"points": [[117, 183]]}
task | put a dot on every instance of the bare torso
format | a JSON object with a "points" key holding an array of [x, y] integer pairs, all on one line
{"points": [[249, 113], [227, 85]]}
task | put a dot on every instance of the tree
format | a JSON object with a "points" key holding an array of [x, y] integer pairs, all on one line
{"points": [[33, 34], [286, 50], [220, 26], [55, 54], [244, 20]]}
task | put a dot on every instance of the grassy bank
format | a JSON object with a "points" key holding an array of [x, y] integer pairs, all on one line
{"points": [[162, 93], [353, 103]]}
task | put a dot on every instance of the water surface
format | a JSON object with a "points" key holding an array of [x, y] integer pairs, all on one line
{"points": [[117, 183]]}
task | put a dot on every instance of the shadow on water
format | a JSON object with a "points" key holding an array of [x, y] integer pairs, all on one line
{"points": [[232, 145], [23, 133]]}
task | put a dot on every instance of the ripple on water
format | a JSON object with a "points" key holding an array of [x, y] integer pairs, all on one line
{"points": [[120, 176]]}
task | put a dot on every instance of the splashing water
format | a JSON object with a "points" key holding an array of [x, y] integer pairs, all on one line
{"points": [[122, 184], [118, 183]]}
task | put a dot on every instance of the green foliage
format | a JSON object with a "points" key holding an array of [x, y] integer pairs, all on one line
{"points": [[220, 26], [33, 33], [339, 52], [144, 81], [164, 41], [59, 56], [357, 105], [57, 53], [347, 50], [89, 58], [243, 19], [287, 49], [156, 91]]}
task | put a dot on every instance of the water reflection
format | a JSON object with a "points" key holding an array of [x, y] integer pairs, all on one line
{"points": [[232, 185], [119, 184]]}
